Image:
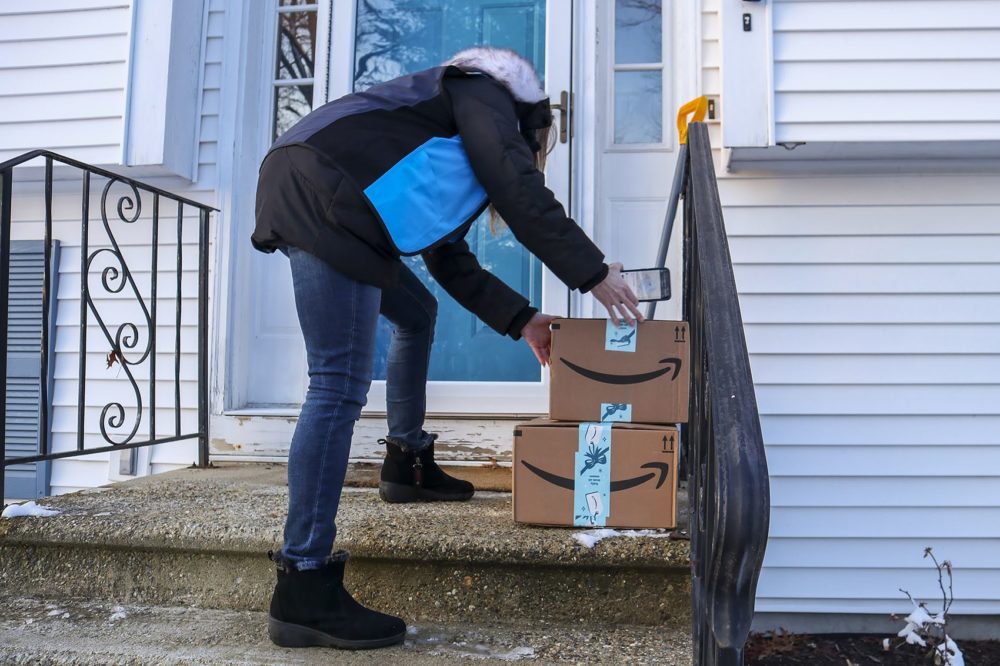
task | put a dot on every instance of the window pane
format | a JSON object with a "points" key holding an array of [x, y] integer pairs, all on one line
{"points": [[638, 31], [638, 107], [291, 103], [397, 37], [296, 45]]}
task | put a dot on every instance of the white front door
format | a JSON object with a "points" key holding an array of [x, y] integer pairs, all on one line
{"points": [[645, 64], [631, 63], [473, 370]]}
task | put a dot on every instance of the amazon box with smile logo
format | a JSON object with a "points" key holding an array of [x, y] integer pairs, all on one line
{"points": [[603, 373], [595, 474]]}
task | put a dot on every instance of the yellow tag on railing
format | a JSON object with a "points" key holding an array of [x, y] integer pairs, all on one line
{"points": [[697, 109]]}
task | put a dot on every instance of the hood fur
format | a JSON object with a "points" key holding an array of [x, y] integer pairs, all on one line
{"points": [[506, 66]]}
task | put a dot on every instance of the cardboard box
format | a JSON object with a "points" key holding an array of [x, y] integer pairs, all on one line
{"points": [[642, 484], [637, 375]]}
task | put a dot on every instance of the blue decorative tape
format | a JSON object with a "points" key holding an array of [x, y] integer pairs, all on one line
{"points": [[616, 411], [619, 338], [592, 482]]}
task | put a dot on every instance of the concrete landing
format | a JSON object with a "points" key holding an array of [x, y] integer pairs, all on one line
{"points": [[199, 537], [88, 634]]}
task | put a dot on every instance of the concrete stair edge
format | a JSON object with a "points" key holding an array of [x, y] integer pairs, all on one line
{"points": [[156, 541], [85, 633], [178, 514]]}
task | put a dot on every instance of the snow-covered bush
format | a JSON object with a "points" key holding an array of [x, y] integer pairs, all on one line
{"points": [[931, 631]]}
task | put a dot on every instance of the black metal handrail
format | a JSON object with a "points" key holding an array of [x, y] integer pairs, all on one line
{"points": [[727, 471], [122, 339]]}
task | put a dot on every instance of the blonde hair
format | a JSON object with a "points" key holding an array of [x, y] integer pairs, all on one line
{"points": [[546, 139]]}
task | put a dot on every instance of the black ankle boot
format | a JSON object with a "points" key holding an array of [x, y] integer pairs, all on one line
{"points": [[312, 608], [415, 477]]}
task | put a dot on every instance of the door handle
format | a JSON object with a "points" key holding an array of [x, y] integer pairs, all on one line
{"points": [[565, 109]]}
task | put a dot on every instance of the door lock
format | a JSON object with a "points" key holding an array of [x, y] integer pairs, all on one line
{"points": [[565, 109]]}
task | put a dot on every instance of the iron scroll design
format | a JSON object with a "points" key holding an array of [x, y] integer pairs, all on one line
{"points": [[728, 481], [126, 337], [121, 424]]}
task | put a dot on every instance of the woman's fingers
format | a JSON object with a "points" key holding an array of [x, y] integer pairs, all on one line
{"points": [[613, 314], [542, 353], [636, 312], [632, 298], [626, 312], [538, 335]]}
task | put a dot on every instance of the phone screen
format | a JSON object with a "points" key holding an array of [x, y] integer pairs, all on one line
{"points": [[649, 284]]}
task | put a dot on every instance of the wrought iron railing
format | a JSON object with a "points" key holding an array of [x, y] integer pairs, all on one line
{"points": [[122, 201], [727, 472]]}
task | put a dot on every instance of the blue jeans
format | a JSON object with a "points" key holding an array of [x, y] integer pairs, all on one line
{"points": [[338, 317]]}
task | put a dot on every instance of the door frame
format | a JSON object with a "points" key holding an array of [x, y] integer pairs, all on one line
{"points": [[685, 38], [233, 427], [337, 19]]}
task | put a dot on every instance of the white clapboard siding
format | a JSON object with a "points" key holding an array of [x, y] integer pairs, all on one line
{"points": [[872, 315], [63, 72], [711, 67], [211, 96], [63, 75], [874, 345], [882, 70]]}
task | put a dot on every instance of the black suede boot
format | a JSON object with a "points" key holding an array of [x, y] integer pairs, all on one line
{"points": [[415, 477], [312, 608]]}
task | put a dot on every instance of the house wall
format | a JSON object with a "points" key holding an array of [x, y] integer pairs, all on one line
{"points": [[63, 73], [69, 59], [885, 71], [871, 310], [872, 317]]}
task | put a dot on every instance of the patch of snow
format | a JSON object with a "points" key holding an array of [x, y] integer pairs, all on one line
{"points": [[480, 651], [119, 614], [28, 509], [105, 513], [909, 632], [55, 612], [919, 617], [950, 653], [590, 538]]}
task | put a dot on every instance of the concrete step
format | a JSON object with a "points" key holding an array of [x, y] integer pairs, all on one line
{"points": [[199, 538], [86, 633]]}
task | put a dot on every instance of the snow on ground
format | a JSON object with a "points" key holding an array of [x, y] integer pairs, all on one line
{"points": [[589, 538], [28, 509]]}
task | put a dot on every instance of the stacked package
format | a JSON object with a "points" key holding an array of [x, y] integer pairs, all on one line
{"points": [[607, 454]]}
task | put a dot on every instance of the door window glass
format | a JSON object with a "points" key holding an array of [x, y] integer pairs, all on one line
{"points": [[397, 37], [638, 72], [295, 63]]}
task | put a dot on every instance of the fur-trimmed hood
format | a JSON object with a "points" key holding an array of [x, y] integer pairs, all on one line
{"points": [[508, 67]]}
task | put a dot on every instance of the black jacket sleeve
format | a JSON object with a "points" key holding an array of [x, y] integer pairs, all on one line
{"points": [[502, 161], [477, 290]]}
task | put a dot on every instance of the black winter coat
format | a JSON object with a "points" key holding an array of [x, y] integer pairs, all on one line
{"points": [[307, 199]]}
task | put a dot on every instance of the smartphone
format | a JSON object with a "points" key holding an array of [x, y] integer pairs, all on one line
{"points": [[649, 284]]}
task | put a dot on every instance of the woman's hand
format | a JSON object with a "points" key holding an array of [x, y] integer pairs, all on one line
{"points": [[614, 294], [538, 335]]}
